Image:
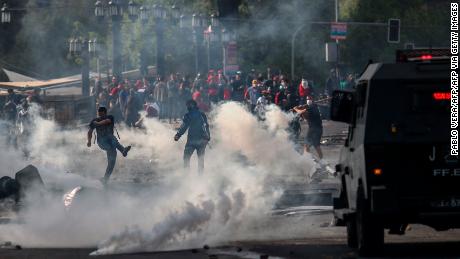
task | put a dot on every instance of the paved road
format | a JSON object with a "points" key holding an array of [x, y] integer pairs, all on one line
{"points": [[416, 245], [301, 221]]}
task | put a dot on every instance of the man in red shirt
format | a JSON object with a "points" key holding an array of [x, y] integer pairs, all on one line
{"points": [[304, 91]]}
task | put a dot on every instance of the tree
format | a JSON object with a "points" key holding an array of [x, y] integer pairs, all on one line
{"points": [[423, 22], [265, 29]]}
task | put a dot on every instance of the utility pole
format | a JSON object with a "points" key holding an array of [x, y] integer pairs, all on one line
{"points": [[293, 50], [159, 14], [198, 24], [337, 74], [84, 49], [115, 11], [144, 18], [85, 68], [117, 48]]}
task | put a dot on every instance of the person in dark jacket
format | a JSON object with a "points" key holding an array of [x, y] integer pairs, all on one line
{"points": [[104, 125], [311, 113], [13, 97], [198, 134], [184, 94], [237, 89], [332, 83], [172, 87], [131, 113]]}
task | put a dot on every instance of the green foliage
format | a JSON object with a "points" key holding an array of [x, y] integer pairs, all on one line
{"points": [[423, 22], [38, 43]]}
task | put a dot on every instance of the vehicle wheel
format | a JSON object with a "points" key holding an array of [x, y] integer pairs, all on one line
{"points": [[352, 238], [370, 234]]}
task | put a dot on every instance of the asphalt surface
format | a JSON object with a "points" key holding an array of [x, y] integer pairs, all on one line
{"points": [[441, 246], [304, 215]]}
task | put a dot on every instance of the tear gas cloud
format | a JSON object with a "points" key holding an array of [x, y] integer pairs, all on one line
{"points": [[168, 208]]}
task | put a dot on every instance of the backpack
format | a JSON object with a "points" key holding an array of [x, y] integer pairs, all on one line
{"points": [[204, 127]]}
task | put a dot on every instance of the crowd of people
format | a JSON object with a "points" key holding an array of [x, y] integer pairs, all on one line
{"points": [[166, 97], [170, 98], [177, 95], [16, 114]]}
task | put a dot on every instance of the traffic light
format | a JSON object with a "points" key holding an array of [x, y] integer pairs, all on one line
{"points": [[394, 30]]}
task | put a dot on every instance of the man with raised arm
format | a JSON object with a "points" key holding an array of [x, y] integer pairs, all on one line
{"points": [[104, 125]]}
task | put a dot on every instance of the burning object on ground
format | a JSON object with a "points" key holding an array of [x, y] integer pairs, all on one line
{"points": [[83, 198]]}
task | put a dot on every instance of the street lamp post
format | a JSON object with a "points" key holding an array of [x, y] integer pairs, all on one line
{"points": [[225, 40], [213, 37], [175, 13], [133, 11], [184, 22], [337, 74], [115, 12], [144, 18], [6, 14], [159, 14], [85, 68], [227, 37], [198, 24], [83, 49], [94, 48], [99, 10]]}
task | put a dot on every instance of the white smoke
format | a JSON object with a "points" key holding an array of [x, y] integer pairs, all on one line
{"points": [[170, 208]]}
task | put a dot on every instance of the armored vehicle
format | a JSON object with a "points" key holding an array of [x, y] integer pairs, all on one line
{"points": [[395, 167]]}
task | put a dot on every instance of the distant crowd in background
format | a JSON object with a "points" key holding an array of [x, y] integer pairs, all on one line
{"points": [[165, 98], [16, 116]]}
